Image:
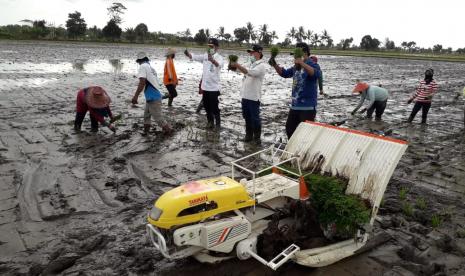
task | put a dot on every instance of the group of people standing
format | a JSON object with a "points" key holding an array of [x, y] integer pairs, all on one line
{"points": [[305, 72]]}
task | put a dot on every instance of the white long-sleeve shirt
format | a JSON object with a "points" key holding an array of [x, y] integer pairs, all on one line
{"points": [[211, 73], [253, 80]]}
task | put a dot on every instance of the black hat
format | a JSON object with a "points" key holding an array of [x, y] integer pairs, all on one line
{"points": [[304, 47], [213, 41], [255, 48]]}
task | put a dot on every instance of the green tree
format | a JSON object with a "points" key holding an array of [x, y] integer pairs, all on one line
{"points": [[301, 34], [292, 34], [115, 11], [345, 43], [220, 33], [75, 25], [201, 37], [94, 33], [369, 43], [389, 44], [130, 35], [112, 31], [316, 40], [141, 31], [241, 34], [437, 48], [326, 39], [251, 36]]}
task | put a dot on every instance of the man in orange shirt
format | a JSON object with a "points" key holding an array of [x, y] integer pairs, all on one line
{"points": [[170, 79]]}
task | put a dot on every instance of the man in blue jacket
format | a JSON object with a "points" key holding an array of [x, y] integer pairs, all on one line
{"points": [[305, 74]]}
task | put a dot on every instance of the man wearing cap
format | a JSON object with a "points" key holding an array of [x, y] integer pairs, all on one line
{"points": [[212, 63], [376, 97], [251, 93], [170, 79], [305, 74], [95, 100], [149, 83]]}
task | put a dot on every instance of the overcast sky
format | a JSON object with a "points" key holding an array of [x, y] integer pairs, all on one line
{"points": [[426, 22]]}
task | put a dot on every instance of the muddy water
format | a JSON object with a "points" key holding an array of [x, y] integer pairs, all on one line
{"points": [[76, 203]]}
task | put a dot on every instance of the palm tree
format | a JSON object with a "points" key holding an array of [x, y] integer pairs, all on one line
{"points": [[291, 34], [263, 33], [220, 33], [326, 37], [315, 40], [309, 35], [301, 34], [250, 31]]}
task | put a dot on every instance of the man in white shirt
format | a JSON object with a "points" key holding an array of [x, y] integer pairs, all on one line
{"points": [[251, 93], [212, 63], [149, 83]]}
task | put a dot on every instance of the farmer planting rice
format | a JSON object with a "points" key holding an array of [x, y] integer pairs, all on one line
{"points": [[376, 97], [149, 83], [251, 93], [212, 63], [95, 100], [304, 88], [423, 96]]}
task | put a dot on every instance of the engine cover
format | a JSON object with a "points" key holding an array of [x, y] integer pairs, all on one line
{"points": [[218, 235]]}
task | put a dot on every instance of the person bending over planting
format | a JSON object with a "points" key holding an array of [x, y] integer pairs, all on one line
{"points": [[251, 93], [423, 96], [95, 100], [376, 97], [212, 63], [170, 78], [305, 74], [149, 83]]}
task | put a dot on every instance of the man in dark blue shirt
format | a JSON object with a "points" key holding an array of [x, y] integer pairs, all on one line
{"points": [[305, 74]]}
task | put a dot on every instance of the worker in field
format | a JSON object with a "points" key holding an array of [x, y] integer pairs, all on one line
{"points": [[95, 100], [423, 96], [251, 93], [170, 78], [305, 74], [376, 96], [210, 85], [320, 79]]}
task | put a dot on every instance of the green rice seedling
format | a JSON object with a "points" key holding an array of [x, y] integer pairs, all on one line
{"points": [[298, 53], [403, 193], [274, 51], [232, 59], [421, 203], [407, 209], [436, 221]]}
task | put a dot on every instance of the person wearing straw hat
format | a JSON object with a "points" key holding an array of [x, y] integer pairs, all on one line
{"points": [[376, 97], [170, 78], [251, 93], [95, 100], [149, 83]]}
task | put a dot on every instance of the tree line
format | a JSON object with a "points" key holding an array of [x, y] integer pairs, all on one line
{"points": [[77, 29]]}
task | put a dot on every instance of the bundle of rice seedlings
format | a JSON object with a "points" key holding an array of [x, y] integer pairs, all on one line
{"points": [[274, 53], [298, 53], [232, 58]]}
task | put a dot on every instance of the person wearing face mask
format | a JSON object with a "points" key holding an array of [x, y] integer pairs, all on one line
{"points": [[251, 93], [423, 96], [305, 74], [212, 63]]}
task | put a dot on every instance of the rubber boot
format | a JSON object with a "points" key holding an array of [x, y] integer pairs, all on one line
{"points": [[199, 107], [146, 129], [257, 133], [218, 122], [423, 120], [410, 119], [78, 121], [170, 101], [248, 133]]}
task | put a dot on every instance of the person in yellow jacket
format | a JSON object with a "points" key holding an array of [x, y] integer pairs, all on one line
{"points": [[170, 79]]}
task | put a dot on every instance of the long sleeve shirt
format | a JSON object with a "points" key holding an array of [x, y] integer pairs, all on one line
{"points": [[210, 73], [304, 86], [252, 84], [372, 94], [425, 92], [98, 113]]}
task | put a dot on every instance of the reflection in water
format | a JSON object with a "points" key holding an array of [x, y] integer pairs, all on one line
{"points": [[117, 65], [78, 64]]}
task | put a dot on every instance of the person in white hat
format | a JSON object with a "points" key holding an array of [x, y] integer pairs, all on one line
{"points": [[149, 83], [170, 78]]}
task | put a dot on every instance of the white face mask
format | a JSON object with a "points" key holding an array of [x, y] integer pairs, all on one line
{"points": [[252, 59]]}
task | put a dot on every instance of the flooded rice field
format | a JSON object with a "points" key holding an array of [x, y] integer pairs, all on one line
{"points": [[76, 203]]}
